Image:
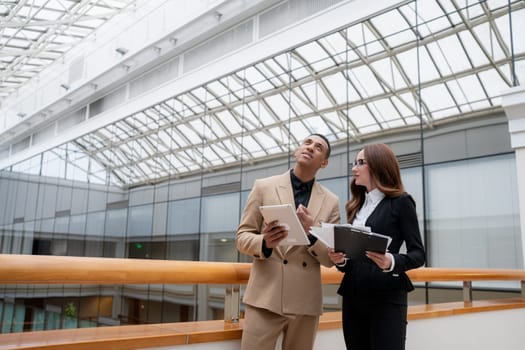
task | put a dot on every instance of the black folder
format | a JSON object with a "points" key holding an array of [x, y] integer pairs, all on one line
{"points": [[354, 242]]}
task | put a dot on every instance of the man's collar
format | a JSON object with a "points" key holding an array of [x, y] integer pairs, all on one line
{"points": [[298, 184]]}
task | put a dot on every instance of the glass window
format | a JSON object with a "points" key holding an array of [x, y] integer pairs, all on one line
{"points": [[473, 214], [116, 222], [140, 220], [95, 224], [77, 224], [183, 216], [220, 213]]}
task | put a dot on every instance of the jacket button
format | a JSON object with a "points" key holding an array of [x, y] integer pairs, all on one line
{"points": [[285, 262], [304, 263]]}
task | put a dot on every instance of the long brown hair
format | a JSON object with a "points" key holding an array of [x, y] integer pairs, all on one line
{"points": [[383, 168]]}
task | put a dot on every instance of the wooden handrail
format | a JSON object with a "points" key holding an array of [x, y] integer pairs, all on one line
{"points": [[38, 269], [43, 269]]}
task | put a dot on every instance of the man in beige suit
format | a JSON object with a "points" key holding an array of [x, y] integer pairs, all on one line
{"points": [[284, 292]]}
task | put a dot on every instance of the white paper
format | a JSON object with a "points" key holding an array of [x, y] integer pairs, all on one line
{"points": [[325, 234]]}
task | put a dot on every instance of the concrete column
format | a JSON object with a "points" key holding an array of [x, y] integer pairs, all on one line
{"points": [[513, 102]]}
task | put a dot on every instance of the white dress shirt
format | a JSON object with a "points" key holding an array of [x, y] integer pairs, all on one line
{"points": [[372, 199]]}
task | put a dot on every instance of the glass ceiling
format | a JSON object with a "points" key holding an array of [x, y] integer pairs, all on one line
{"points": [[35, 33], [421, 64]]}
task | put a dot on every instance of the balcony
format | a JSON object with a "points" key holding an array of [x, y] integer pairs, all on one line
{"points": [[466, 324]]}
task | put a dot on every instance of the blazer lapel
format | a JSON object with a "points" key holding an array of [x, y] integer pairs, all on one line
{"points": [[284, 189], [316, 201], [285, 194]]}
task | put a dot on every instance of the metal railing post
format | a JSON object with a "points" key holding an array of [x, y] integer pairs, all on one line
{"points": [[232, 303], [467, 291]]}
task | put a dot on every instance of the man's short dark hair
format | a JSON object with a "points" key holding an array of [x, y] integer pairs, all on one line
{"points": [[329, 150]]}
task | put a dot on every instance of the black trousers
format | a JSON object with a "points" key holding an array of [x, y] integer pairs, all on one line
{"points": [[372, 324]]}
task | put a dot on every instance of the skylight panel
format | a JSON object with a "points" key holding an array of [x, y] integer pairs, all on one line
{"points": [[266, 140], [472, 85], [209, 154], [371, 45], [355, 35], [281, 135], [337, 85], [336, 46], [224, 151], [454, 54], [518, 26], [284, 60], [493, 82], [230, 85], [424, 69], [314, 56], [431, 19], [216, 128], [269, 75], [297, 73], [279, 106], [200, 95], [218, 89], [384, 109], [475, 53], [458, 92], [393, 28], [336, 120], [190, 134], [230, 122], [362, 119], [439, 101], [276, 69], [256, 79], [404, 104], [299, 130], [389, 73], [317, 124], [317, 95], [365, 81], [437, 97], [255, 148], [245, 116], [262, 115], [177, 138], [471, 9], [489, 41]]}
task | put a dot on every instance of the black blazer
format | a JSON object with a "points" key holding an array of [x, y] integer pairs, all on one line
{"points": [[397, 218]]}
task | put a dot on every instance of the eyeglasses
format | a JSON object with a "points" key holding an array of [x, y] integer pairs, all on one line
{"points": [[358, 162]]}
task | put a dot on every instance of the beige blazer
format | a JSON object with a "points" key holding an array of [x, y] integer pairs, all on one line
{"points": [[289, 281]]}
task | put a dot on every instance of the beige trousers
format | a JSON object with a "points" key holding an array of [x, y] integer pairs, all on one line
{"points": [[261, 329]]}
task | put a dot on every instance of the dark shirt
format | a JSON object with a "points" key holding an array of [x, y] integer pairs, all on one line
{"points": [[301, 190]]}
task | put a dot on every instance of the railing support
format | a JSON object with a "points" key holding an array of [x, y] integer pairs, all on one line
{"points": [[467, 291], [523, 289], [232, 302]]}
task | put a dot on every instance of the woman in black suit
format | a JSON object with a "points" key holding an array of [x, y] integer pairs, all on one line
{"points": [[375, 288]]}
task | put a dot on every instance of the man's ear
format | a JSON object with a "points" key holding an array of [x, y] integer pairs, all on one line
{"points": [[324, 163]]}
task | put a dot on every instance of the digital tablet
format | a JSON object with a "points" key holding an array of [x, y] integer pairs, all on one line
{"points": [[285, 214]]}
